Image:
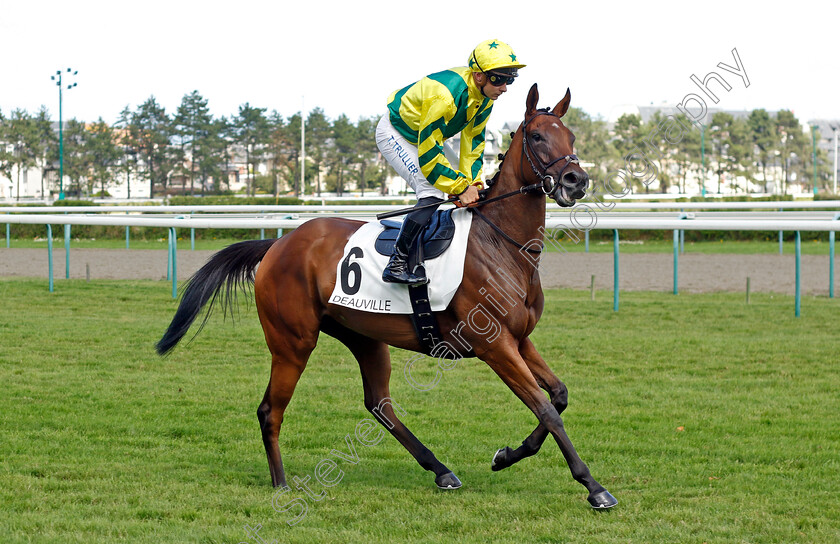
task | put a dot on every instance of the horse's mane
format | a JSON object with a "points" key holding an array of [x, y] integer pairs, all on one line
{"points": [[501, 157]]}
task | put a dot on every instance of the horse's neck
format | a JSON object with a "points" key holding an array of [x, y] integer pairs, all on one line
{"points": [[522, 216]]}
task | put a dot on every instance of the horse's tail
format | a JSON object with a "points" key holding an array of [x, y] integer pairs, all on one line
{"points": [[228, 271]]}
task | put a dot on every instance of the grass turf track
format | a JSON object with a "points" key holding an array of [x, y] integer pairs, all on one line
{"points": [[710, 421]]}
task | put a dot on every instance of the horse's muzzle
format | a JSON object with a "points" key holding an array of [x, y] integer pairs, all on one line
{"points": [[571, 188]]}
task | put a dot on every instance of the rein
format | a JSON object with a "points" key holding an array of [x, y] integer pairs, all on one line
{"points": [[504, 235]]}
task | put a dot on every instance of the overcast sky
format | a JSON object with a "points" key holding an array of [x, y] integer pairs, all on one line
{"points": [[347, 57]]}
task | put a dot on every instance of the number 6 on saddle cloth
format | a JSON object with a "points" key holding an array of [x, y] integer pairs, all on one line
{"points": [[441, 249]]}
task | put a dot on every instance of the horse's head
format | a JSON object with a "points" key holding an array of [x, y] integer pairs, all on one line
{"points": [[549, 148]]}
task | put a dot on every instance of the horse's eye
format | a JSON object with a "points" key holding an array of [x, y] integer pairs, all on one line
{"points": [[536, 136]]}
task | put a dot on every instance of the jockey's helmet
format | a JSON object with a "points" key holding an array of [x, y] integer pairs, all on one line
{"points": [[494, 56]]}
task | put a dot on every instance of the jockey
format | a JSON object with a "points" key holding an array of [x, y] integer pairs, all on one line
{"points": [[412, 138]]}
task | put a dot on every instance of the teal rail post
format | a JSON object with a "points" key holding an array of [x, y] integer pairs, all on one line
{"points": [[279, 233], [831, 260], [173, 254], [127, 232], [586, 240], [49, 256], [192, 239], [676, 260], [8, 236], [169, 257], [67, 252], [615, 270], [831, 264], [798, 271]]}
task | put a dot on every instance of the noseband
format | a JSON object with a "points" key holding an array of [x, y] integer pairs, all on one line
{"points": [[549, 185]]}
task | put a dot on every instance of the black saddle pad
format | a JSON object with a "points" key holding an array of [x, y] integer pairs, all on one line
{"points": [[436, 238]]}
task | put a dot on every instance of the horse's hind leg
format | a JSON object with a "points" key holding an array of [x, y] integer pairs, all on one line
{"points": [[291, 336], [285, 373], [559, 397], [375, 365]]}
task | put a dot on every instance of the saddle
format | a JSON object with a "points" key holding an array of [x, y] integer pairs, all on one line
{"points": [[435, 239]]}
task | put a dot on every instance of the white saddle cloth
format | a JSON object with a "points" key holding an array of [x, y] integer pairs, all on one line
{"points": [[359, 282]]}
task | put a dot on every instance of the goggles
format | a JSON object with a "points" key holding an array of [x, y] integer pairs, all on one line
{"points": [[497, 80]]}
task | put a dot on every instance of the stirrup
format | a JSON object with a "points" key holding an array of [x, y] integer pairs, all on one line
{"points": [[397, 272]]}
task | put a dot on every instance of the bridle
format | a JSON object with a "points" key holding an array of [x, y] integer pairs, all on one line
{"points": [[547, 184]]}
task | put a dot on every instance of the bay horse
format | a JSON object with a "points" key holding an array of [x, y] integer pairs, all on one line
{"points": [[297, 274]]}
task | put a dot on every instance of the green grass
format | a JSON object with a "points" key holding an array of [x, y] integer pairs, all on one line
{"points": [[809, 247], [710, 421]]}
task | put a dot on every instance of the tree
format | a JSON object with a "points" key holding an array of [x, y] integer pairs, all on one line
{"points": [[733, 148], [278, 149], [762, 134], [318, 131], [292, 142], [5, 155], [47, 146], [629, 136], [102, 154], [344, 137], [149, 134], [792, 144], [367, 154], [212, 152], [683, 146], [252, 131], [123, 134], [22, 134], [76, 163], [195, 133]]}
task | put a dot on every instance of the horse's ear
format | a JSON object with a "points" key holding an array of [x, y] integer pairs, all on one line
{"points": [[531, 102], [563, 106]]}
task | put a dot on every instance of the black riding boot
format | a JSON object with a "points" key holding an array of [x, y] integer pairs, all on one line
{"points": [[397, 270]]}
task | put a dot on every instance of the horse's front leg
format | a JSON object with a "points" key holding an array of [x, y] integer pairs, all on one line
{"points": [[559, 396], [511, 367]]}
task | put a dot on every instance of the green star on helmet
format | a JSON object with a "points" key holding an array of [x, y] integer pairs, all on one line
{"points": [[512, 57], [494, 45]]}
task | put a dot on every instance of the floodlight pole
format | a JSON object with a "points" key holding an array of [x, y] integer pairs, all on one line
{"points": [[302, 148], [702, 160], [58, 82], [834, 190], [814, 146]]}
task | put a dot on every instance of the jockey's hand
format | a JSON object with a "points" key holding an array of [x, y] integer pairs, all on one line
{"points": [[470, 196]]}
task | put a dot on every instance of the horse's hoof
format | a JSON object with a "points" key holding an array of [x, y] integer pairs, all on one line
{"points": [[501, 460], [602, 500], [447, 481]]}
